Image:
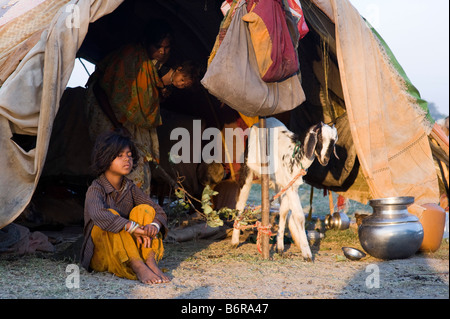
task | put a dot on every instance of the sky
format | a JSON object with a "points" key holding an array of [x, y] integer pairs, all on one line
{"points": [[416, 31]]}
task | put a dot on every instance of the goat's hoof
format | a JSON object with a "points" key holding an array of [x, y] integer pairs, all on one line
{"points": [[308, 259], [280, 252], [234, 246]]}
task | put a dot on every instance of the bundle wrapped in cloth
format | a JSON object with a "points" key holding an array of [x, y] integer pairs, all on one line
{"points": [[274, 46], [233, 75], [17, 239]]}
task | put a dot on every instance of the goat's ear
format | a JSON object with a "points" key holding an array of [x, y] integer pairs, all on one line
{"points": [[310, 143]]}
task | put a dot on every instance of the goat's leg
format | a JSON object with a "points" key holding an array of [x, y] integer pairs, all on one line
{"points": [[297, 224], [284, 210], [240, 205]]}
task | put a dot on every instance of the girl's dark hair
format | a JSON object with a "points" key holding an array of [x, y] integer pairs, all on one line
{"points": [[191, 69], [107, 147]]}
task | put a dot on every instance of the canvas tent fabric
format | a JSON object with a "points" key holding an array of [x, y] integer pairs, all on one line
{"points": [[359, 85], [388, 134], [28, 20], [29, 98], [388, 121]]}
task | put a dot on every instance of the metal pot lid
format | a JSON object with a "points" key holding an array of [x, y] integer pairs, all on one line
{"points": [[400, 200]]}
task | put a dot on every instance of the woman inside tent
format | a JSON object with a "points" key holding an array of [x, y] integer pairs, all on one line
{"points": [[125, 91]]}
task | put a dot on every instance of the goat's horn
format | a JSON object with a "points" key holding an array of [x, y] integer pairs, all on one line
{"points": [[334, 151]]}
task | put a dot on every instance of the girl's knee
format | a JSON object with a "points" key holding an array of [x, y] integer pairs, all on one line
{"points": [[145, 208], [143, 213]]}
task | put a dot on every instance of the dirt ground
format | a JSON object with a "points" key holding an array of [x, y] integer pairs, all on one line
{"points": [[211, 269]]}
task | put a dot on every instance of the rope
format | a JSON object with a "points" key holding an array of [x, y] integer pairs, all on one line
{"points": [[84, 66], [281, 192], [266, 230]]}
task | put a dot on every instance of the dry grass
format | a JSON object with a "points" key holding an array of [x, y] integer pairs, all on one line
{"points": [[212, 269], [207, 269]]}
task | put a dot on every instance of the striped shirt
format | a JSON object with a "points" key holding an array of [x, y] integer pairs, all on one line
{"points": [[100, 197]]}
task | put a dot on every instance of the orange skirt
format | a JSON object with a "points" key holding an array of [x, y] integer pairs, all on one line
{"points": [[114, 251]]}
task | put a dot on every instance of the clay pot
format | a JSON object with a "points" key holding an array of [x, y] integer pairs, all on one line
{"points": [[432, 218]]}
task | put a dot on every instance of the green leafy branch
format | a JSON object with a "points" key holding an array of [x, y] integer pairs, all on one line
{"points": [[212, 217]]}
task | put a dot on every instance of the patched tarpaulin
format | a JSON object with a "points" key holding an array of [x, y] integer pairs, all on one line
{"points": [[358, 84], [29, 96]]}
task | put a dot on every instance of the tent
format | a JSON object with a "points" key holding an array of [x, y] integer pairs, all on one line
{"points": [[349, 76]]}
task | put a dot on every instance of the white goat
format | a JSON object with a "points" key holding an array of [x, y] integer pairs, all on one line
{"points": [[287, 157]]}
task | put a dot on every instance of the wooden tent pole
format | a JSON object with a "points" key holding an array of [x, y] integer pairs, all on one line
{"points": [[264, 187]]}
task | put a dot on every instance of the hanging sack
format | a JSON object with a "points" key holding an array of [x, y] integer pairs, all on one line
{"points": [[274, 48], [233, 76]]}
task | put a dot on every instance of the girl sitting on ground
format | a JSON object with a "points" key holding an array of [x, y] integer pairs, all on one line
{"points": [[124, 228]]}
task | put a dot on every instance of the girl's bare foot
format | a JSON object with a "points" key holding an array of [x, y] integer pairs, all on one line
{"points": [[144, 273], [151, 263]]}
